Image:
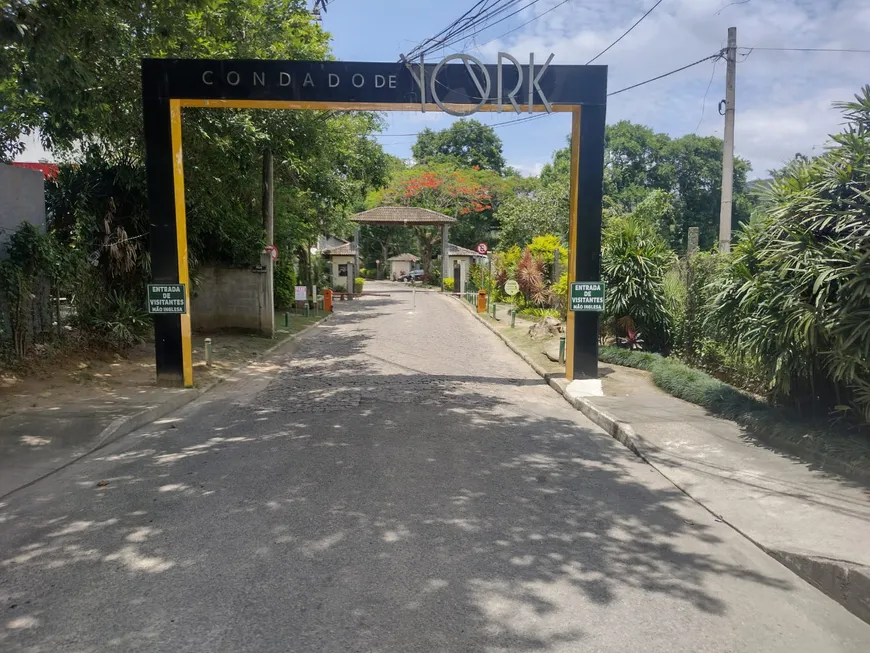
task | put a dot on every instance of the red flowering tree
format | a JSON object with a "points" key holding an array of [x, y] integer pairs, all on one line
{"points": [[465, 194]]}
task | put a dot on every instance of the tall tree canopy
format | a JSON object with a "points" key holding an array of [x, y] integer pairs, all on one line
{"points": [[639, 160], [71, 70], [466, 143]]}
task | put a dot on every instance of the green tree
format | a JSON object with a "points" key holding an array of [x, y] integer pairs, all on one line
{"points": [[689, 169], [794, 295], [465, 144], [521, 217]]}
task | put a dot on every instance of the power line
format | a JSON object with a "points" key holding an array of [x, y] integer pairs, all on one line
{"points": [[639, 20], [856, 50], [496, 126], [472, 25], [704, 101], [418, 48], [500, 20], [527, 22], [718, 55], [453, 30]]}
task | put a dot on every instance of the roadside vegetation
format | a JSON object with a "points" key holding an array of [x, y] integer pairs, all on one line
{"points": [[83, 282]]}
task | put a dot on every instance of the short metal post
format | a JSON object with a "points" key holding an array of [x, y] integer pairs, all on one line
{"points": [[307, 309], [414, 297], [287, 319], [562, 349], [494, 305], [208, 352], [513, 317]]}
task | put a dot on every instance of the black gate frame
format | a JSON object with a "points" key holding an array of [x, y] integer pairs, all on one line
{"points": [[168, 85]]}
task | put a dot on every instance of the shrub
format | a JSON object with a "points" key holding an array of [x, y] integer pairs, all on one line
{"points": [[794, 295], [540, 312], [339, 287], [285, 283], [448, 284], [635, 259], [358, 284]]}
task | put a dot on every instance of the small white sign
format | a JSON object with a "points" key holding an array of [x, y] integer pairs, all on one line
{"points": [[301, 293], [511, 287]]}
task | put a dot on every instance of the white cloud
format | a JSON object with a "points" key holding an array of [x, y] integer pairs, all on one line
{"points": [[783, 98], [528, 169]]}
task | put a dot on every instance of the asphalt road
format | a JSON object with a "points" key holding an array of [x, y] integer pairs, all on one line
{"points": [[402, 483]]}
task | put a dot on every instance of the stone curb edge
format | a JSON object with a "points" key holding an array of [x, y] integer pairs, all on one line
{"points": [[126, 424], [617, 429], [847, 584]]}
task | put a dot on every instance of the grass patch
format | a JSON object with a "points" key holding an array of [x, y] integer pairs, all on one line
{"points": [[850, 451]]}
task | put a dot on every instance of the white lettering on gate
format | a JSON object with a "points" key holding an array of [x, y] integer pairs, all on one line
{"points": [[519, 85], [380, 81], [208, 81], [333, 80], [284, 79], [362, 81], [308, 81], [261, 78], [419, 77], [233, 75]]}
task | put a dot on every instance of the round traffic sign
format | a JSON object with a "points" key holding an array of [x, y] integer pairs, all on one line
{"points": [[272, 251], [482, 249], [511, 287]]}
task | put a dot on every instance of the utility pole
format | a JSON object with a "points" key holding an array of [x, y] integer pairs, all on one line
{"points": [[268, 198], [267, 311], [728, 151]]}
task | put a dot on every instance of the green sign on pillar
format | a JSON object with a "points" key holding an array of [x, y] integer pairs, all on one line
{"points": [[166, 298], [587, 296]]}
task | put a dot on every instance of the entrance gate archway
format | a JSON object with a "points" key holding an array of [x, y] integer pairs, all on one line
{"points": [[169, 85]]}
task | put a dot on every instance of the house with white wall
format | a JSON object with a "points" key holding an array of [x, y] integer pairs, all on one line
{"points": [[401, 265], [460, 261], [341, 262]]}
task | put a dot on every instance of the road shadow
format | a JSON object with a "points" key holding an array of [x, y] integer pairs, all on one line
{"points": [[353, 509]]}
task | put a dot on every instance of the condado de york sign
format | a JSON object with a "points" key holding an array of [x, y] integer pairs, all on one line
{"points": [[458, 79]]}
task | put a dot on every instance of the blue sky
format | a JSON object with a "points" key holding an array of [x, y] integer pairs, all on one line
{"points": [[783, 98]]}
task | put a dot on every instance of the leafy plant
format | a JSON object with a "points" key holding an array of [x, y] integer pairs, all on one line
{"points": [[795, 294], [635, 260], [358, 284], [448, 284]]}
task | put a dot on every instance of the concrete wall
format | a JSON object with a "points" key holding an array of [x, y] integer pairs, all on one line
{"points": [[22, 199], [232, 298]]}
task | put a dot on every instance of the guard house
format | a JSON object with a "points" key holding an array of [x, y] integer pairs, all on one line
{"points": [[459, 262], [401, 265], [342, 264]]}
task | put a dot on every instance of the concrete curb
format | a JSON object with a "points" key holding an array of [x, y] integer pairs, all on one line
{"points": [[848, 584], [126, 424]]}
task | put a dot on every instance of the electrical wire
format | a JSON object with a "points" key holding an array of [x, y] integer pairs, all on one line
{"points": [[500, 20], [853, 50], [626, 33], [474, 24], [511, 31], [484, 9], [496, 126], [704, 101], [416, 49], [718, 55]]}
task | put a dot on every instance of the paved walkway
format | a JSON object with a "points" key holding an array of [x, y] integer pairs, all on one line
{"points": [[36, 442], [403, 483]]}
